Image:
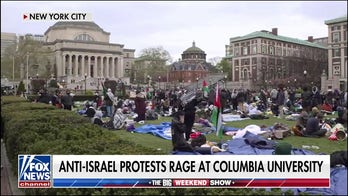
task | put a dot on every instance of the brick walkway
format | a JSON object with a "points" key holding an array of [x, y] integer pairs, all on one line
{"points": [[8, 181]]}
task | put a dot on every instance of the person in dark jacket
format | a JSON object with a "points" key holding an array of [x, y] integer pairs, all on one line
{"points": [[140, 106], [280, 101], [306, 97], [190, 115], [67, 101], [43, 97], [313, 126], [57, 99], [178, 129], [316, 97]]}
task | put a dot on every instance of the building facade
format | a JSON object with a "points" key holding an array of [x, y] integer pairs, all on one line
{"points": [[84, 55], [266, 59], [336, 76], [191, 68], [7, 39]]}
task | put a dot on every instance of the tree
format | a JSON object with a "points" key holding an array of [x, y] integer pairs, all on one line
{"points": [[215, 60], [156, 53], [40, 58], [225, 67], [151, 62], [21, 88]]}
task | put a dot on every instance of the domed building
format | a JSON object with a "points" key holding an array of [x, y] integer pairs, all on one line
{"points": [[191, 67], [83, 51]]}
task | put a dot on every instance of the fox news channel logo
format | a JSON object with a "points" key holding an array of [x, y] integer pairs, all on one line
{"points": [[34, 171]]}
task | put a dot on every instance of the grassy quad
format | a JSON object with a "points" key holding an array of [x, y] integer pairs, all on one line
{"points": [[325, 146]]}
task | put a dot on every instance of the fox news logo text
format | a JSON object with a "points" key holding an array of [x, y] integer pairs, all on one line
{"points": [[34, 171]]}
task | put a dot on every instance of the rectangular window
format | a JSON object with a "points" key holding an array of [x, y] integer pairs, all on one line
{"points": [[345, 36], [278, 51], [345, 51], [263, 60], [236, 51], [336, 52], [254, 61], [336, 37], [271, 50], [264, 49], [254, 51], [236, 62], [245, 50]]}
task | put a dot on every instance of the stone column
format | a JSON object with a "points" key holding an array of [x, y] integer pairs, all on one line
{"points": [[70, 65], [120, 68], [83, 66], [102, 67], [95, 66], [113, 67], [107, 67], [62, 71], [76, 67], [89, 66]]}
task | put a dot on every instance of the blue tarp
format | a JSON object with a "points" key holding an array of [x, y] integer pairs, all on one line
{"points": [[162, 130], [338, 175]]}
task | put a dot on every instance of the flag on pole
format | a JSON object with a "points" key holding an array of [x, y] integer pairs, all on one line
{"points": [[216, 117], [205, 89]]}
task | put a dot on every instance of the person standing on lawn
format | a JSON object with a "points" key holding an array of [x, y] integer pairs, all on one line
{"points": [[67, 100], [178, 129], [140, 106], [109, 102], [280, 101], [306, 99]]}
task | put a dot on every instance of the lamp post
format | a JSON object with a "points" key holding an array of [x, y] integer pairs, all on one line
{"points": [[225, 79], [159, 82], [37, 76], [305, 74], [85, 83], [197, 81], [27, 72], [13, 65]]}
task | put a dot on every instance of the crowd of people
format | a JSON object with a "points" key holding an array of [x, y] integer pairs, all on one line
{"points": [[309, 102]]}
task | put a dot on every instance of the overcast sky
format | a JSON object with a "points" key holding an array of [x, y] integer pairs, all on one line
{"points": [[174, 25]]}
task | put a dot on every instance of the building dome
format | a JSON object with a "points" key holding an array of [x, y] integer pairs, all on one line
{"points": [[193, 49], [77, 24]]}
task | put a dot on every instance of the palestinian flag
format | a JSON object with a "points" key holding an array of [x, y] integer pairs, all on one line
{"points": [[216, 117], [205, 89]]}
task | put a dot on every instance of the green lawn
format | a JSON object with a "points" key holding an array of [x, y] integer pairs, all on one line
{"points": [[325, 146]]}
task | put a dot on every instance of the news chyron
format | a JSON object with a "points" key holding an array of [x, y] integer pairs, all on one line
{"points": [[72, 16]]}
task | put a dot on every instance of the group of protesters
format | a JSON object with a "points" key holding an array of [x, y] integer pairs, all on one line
{"points": [[280, 101]]}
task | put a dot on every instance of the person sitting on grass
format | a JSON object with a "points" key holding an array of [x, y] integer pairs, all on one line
{"points": [[301, 122], [313, 126], [326, 107], [179, 142]]}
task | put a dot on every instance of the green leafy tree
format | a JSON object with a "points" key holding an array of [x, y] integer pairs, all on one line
{"points": [[151, 62], [39, 59], [53, 84], [225, 67]]}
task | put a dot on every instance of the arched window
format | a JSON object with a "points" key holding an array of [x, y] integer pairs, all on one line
{"points": [[84, 37]]}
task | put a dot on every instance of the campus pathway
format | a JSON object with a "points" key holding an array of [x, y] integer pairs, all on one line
{"points": [[8, 180]]}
